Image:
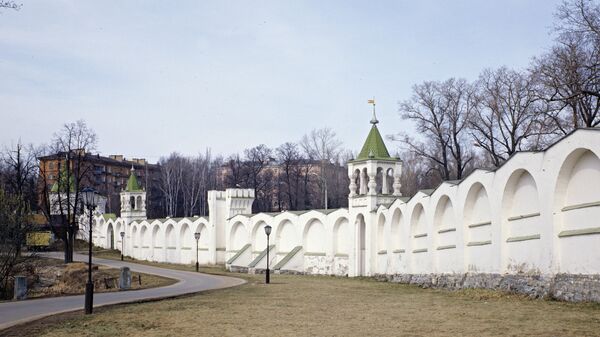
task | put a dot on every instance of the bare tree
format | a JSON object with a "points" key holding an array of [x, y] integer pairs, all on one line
{"points": [[510, 116], [61, 205], [12, 232], [195, 182], [10, 5], [171, 181], [323, 146], [255, 161], [440, 111], [290, 160], [19, 180], [570, 72]]}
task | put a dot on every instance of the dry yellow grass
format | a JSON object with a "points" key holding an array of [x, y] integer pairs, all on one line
{"points": [[328, 306]]}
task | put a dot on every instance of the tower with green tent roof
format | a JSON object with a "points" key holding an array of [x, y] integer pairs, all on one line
{"points": [[374, 174], [133, 200]]}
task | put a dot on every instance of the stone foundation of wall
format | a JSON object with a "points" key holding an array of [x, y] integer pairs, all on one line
{"points": [[238, 269], [563, 287]]}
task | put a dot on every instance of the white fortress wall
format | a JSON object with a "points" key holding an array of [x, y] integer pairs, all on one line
{"points": [[535, 215]]}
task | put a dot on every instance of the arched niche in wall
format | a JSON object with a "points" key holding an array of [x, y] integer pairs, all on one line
{"points": [[144, 238], [342, 238], [418, 227], [314, 237], [286, 237], [134, 237], [577, 209], [204, 237], [259, 238], [361, 263], [238, 237], [445, 241], [478, 230], [477, 215], [444, 224], [170, 239], [110, 236], [156, 243], [398, 239], [185, 236], [381, 237], [521, 225]]}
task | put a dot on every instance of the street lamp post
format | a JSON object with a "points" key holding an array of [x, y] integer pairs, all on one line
{"points": [[90, 203], [268, 275], [197, 237], [122, 244]]}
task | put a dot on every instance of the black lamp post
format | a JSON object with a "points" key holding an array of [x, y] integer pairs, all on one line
{"points": [[122, 244], [268, 275], [197, 237], [90, 204]]}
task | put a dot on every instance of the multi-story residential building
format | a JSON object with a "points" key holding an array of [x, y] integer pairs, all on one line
{"points": [[108, 175]]}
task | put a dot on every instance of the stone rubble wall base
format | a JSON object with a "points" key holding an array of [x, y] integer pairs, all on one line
{"points": [[563, 287], [238, 269]]}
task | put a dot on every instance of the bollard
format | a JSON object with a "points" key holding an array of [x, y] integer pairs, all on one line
{"points": [[20, 288], [125, 278]]}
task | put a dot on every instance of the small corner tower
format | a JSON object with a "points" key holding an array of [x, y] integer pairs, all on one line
{"points": [[133, 200], [374, 174]]}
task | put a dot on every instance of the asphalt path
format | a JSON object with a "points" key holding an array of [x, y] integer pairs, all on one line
{"points": [[18, 312]]}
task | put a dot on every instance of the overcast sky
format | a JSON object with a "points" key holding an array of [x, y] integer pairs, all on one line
{"points": [[154, 77]]}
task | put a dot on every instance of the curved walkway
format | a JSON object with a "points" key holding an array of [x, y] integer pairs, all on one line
{"points": [[13, 313]]}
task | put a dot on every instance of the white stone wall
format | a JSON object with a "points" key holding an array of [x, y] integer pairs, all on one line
{"points": [[535, 214]]}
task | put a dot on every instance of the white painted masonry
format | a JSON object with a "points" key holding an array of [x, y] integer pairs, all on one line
{"points": [[538, 213]]}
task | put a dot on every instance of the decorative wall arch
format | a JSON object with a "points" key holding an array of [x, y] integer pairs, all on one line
{"points": [[171, 243], [238, 237], [398, 239], [342, 245], [110, 236], [286, 237], [477, 229], [259, 238], [155, 244], [577, 209], [445, 242], [521, 224], [382, 245], [186, 243], [134, 241], [381, 236], [144, 243], [314, 237], [418, 225], [361, 246]]}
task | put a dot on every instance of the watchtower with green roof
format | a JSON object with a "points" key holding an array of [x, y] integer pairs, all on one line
{"points": [[374, 174], [133, 200]]}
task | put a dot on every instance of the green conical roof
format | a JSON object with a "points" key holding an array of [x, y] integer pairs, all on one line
{"points": [[132, 183], [374, 147], [62, 182]]}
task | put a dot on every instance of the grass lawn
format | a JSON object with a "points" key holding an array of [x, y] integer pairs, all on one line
{"points": [[328, 306]]}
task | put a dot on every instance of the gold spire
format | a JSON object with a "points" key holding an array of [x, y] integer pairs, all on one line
{"points": [[374, 119]]}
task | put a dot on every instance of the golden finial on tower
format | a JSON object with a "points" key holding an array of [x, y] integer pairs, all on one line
{"points": [[374, 119]]}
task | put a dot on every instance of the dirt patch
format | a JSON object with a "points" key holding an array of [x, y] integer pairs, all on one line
{"points": [[51, 277]]}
